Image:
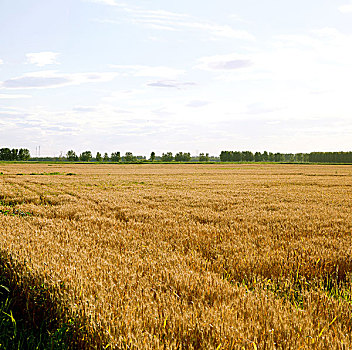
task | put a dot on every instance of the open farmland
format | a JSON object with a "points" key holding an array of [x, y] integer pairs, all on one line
{"points": [[184, 256]]}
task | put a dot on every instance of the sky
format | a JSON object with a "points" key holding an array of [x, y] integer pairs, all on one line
{"points": [[191, 76]]}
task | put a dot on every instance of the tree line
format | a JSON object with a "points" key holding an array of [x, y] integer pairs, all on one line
{"points": [[225, 156], [14, 154], [23, 154], [116, 157], [313, 157], [330, 157]]}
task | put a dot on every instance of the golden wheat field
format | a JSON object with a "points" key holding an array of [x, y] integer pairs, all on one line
{"points": [[185, 256]]}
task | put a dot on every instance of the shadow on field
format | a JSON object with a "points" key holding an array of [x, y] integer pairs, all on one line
{"points": [[30, 317]]}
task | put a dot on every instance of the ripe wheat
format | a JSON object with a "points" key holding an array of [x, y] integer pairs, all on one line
{"points": [[186, 256]]}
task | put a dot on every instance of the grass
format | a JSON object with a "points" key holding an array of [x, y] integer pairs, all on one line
{"points": [[180, 256], [49, 174], [18, 332]]}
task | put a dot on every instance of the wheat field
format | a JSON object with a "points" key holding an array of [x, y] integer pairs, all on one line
{"points": [[252, 256]]}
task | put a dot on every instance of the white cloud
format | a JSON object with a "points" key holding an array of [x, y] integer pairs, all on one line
{"points": [[52, 79], [197, 103], [261, 108], [346, 8], [1, 61], [106, 2], [172, 21], [42, 59], [13, 96], [237, 18], [122, 95], [175, 21], [84, 109], [284, 79], [318, 60], [170, 84], [216, 30], [224, 62], [149, 71]]}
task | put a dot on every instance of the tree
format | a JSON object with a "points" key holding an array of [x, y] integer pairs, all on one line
{"points": [[288, 157], [224, 156], [23, 154], [237, 156], [186, 157], [258, 157], [115, 157], [152, 156], [106, 157], [277, 157], [5, 154], [299, 157], [265, 156], [71, 156], [179, 157], [167, 157], [14, 154], [182, 157], [85, 156], [129, 157], [98, 157], [204, 158], [247, 156]]}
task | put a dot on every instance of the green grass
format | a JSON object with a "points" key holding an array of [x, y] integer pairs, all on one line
{"points": [[7, 208], [24, 323], [17, 333], [54, 173]]}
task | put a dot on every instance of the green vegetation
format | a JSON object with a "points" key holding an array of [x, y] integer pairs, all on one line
{"points": [[98, 157], [17, 330], [14, 154], [116, 156], [152, 156], [8, 209], [85, 156], [313, 157], [54, 173]]}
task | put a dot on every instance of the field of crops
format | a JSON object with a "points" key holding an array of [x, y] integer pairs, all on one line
{"points": [[183, 256]]}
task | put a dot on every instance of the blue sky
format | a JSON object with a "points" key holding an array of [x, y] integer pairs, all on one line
{"points": [[197, 76]]}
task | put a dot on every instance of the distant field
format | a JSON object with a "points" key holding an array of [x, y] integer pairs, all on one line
{"points": [[185, 256]]}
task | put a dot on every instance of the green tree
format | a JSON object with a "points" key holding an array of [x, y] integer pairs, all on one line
{"points": [[152, 156], [106, 157], [23, 154], [167, 157], [129, 157], [186, 157], [98, 157], [14, 154], [182, 157], [265, 156], [5, 154], [299, 157], [115, 157], [71, 156], [225, 156], [278, 157], [85, 156], [247, 156], [203, 158], [237, 156], [258, 157]]}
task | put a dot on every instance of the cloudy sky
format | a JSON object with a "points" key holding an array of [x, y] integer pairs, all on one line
{"points": [[156, 75]]}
